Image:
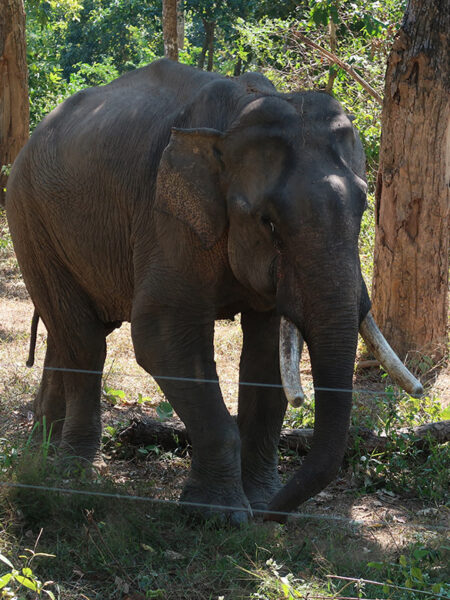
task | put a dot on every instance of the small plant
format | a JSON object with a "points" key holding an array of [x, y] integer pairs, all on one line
{"points": [[14, 580], [413, 572], [113, 396], [403, 465], [164, 411]]}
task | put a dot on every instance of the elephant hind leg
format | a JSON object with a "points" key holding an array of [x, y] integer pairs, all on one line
{"points": [[76, 352], [50, 402]]}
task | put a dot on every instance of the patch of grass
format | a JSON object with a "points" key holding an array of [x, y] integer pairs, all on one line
{"points": [[108, 547]]}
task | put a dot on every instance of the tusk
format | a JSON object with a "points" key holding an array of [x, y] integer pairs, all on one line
{"points": [[291, 345], [378, 345]]}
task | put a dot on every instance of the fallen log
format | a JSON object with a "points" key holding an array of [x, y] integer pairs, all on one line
{"points": [[172, 434]]}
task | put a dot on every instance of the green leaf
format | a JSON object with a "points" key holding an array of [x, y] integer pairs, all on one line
{"points": [[417, 573], [5, 580], [49, 594], [436, 588], [376, 565], [28, 583], [402, 560], [27, 572], [164, 411], [6, 561]]}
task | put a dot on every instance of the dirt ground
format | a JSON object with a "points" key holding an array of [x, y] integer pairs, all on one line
{"points": [[389, 518]]}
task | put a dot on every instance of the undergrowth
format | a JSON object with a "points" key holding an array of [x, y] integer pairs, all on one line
{"points": [[94, 544]]}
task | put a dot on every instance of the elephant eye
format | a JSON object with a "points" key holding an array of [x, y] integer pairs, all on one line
{"points": [[267, 222]]}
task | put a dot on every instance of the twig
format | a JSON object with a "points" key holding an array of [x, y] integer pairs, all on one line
{"points": [[335, 59], [91, 522], [391, 585]]}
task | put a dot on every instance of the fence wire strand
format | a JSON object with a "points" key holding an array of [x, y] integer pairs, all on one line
{"points": [[220, 507], [221, 381]]}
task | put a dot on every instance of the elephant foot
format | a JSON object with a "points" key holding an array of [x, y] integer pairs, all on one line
{"points": [[260, 491], [80, 459], [226, 504]]}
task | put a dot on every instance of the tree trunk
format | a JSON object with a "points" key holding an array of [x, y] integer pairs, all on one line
{"points": [[410, 283], [208, 45], [14, 105], [180, 24], [170, 33], [210, 41]]}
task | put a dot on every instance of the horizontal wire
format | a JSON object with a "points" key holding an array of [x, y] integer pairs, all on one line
{"points": [[220, 381], [295, 515]]}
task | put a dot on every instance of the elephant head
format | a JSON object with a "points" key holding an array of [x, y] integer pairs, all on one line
{"points": [[287, 179]]}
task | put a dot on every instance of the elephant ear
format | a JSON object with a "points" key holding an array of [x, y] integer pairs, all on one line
{"points": [[188, 185]]}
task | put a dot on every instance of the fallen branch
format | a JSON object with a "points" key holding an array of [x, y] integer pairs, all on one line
{"points": [[333, 59], [172, 434]]}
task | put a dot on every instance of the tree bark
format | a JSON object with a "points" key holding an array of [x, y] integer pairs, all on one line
{"points": [[172, 434], [170, 33], [410, 283], [14, 105], [210, 38], [208, 45], [180, 24]]}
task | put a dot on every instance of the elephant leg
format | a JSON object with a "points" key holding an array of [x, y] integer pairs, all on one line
{"points": [[50, 403], [81, 434], [179, 353], [261, 410]]}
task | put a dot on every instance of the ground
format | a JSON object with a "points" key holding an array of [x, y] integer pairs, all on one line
{"points": [[358, 522]]}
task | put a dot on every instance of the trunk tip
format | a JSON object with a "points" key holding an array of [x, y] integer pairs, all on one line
{"points": [[296, 400], [416, 389]]}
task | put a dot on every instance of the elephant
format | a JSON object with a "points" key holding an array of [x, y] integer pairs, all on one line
{"points": [[173, 197]]}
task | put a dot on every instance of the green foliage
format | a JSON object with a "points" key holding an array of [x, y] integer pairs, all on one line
{"points": [[414, 571], [404, 466], [164, 411], [14, 580]]}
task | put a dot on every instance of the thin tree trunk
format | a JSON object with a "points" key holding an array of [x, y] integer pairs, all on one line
{"points": [[180, 24], [238, 67], [170, 33], [201, 58], [14, 105], [410, 283], [210, 37], [333, 47]]}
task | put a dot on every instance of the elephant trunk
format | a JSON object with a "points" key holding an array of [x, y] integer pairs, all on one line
{"points": [[333, 383], [332, 363]]}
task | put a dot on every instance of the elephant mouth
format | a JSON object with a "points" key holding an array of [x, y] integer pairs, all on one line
{"points": [[291, 345]]}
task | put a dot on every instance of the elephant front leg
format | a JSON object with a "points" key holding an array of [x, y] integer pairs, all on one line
{"points": [[179, 353], [261, 409]]}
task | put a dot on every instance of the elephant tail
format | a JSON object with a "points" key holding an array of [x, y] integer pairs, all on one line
{"points": [[34, 327]]}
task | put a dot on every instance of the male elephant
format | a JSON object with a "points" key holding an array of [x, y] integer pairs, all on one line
{"points": [[172, 197]]}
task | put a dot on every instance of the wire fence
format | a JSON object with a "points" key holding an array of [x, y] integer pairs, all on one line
{"points": [[217, 507], [224, 381], [354, 523]]}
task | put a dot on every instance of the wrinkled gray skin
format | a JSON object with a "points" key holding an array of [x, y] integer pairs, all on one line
{"points": [[173, 197]]}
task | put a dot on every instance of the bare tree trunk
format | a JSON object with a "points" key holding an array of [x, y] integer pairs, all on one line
{"points": [[170, 33], [180, 24], [410, 283], [333, 47], [14, 105], [210, 37], [238, 67]]}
